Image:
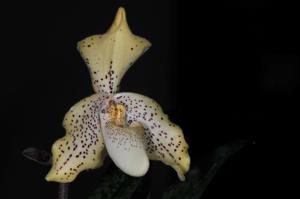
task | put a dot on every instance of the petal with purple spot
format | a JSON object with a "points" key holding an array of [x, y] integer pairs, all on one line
{"points": [[82, 147], [110, 55], [164, 139]]}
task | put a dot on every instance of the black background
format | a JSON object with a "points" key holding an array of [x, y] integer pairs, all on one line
{"points": [[222, 71]]}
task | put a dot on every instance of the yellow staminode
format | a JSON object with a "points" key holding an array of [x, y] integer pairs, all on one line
{"points": [[117, 114]]}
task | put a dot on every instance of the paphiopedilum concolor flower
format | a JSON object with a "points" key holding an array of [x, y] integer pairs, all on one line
{"points": [[129, 127]]}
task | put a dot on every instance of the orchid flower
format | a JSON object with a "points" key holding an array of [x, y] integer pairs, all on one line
{"points": [[129, 127]]}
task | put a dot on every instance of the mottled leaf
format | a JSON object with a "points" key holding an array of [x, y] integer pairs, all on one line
{"points": [[116, 185], [200, 176]]}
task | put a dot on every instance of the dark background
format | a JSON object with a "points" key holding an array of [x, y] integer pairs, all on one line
{"points": [[222, 71]]}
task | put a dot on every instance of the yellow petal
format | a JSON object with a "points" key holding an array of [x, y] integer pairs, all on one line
{"points": [[110, 55], [164, 139], [82, 147]]}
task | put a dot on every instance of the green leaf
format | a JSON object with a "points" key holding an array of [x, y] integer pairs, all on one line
{"points": [[197, 181], [116, 185]]}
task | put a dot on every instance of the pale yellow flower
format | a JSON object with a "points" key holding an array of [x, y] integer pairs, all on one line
{"points": [[129, 127]]}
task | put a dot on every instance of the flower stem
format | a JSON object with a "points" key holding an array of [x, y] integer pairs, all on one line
{"points": [[63, 190]]}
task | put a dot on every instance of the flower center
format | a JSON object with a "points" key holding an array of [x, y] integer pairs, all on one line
{"points": [[117, 113]]}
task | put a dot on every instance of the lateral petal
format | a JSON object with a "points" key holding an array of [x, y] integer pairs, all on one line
{"points": [[82, 147]]}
